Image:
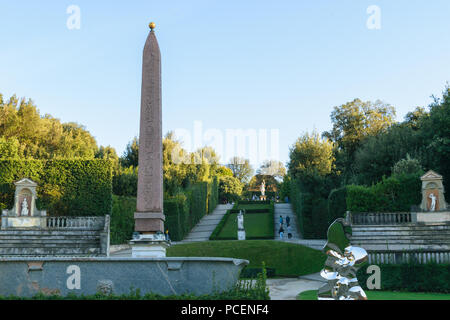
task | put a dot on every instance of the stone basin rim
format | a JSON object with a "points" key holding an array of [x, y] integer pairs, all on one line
{"points": [[123, 259]]}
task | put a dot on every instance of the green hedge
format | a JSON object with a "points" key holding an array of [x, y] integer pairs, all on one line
{"points": [[214, 235], [411, 277], [198, 195], [311, 212], [252, 210], [254, 229], [337, 204], [393, 194], [254, 202], [122, 219], [176, 211], [182, 212], [125, 182], [213, 194], [65, 187]]}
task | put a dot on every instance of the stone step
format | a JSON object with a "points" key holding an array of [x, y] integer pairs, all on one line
{"points": [[400, 227], [36, 237], [204, 228], [48, 242], [49, 251], [202, 231], [199, 234], [402, 235], [395, 241]]}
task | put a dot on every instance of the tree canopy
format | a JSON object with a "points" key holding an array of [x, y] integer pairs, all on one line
{"points": [[24, 133], [311, 155], [241, 168]]}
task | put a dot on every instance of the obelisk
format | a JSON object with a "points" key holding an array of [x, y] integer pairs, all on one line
{"points": [[149, 216]]}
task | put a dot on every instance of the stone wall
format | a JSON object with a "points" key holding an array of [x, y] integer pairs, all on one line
{"points": [[58, 236], [402, 237]]}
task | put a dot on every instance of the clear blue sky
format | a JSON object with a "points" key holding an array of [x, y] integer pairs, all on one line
{"points": [[230, 64]]}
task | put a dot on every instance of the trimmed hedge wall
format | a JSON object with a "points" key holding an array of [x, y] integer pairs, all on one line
{"points": [[198, 197], [122, 219], [221, 224], [393, 194], [337, 204], [238, 207], [311, 211], [254, 202], [182, 212], [65, 187], [213, 194], [411, 277]]}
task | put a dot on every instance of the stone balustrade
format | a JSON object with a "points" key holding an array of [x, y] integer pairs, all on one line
{"points": [[75, 223], [398, 257], [380, 218]]}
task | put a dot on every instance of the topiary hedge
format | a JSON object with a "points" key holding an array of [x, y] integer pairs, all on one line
{"points": [[182, 212], [122, 219], [213, 194], [411, 277], [311, 211], [65, 187], [254, 202], [393, 194], [337, 204]]}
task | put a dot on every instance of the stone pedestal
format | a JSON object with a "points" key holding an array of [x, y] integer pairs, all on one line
{"points": [[149, 246], [241, 234], [430, 218]]}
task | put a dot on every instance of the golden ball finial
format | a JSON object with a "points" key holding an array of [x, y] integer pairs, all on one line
{"points": [[152, 25]]}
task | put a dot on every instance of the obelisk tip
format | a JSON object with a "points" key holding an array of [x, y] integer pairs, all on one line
{"points": [[152, 26]]}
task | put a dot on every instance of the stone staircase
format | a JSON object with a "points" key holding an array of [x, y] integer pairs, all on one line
{"points": [[285, 210], [402, 237], [203, 230], [50, 243]]}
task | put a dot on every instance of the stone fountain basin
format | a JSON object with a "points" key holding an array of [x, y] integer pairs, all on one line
{"points": [[25, 277]]}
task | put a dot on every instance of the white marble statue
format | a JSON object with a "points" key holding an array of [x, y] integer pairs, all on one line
{"points": [[263, 188], [240, 221], [433, 202], [24, 211]]}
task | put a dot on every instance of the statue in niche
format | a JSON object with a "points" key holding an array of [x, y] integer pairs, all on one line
{"points": [[25, 210], [433, 202]]}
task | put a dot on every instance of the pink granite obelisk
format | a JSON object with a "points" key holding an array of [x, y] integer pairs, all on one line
{"points": [[149, 240], [149, 217]]}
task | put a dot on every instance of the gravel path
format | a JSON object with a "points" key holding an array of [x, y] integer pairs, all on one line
{"points": [[288, 289]]}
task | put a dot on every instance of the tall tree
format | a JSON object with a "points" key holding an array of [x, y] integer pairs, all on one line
{"points": [[378, 154], [435, 130], [352, 123], [311, 155], [43, 137], [356, 120], [272, 168], [130, 157], [241, 168]]}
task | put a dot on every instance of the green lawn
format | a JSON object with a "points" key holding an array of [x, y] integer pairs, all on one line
{"points": [[385, 295], [254, 206], [257, 225], [287, 259]]}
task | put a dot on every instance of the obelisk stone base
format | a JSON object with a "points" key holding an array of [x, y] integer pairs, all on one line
{"points": [[149, 222], [149, 246]]}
